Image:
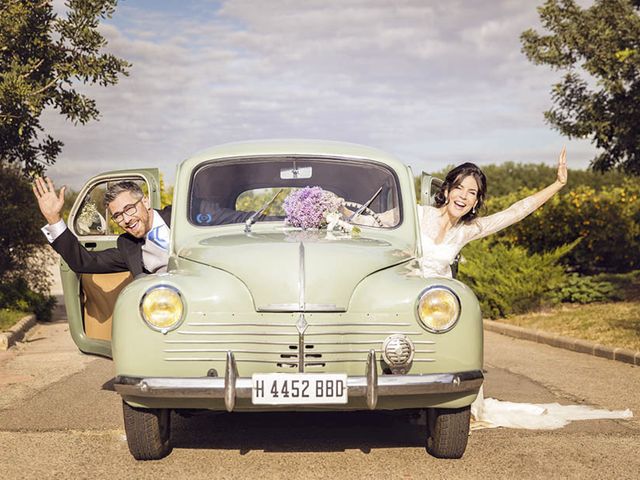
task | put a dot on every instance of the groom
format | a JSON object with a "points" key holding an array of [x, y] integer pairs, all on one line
{"points": [[143, 248]]}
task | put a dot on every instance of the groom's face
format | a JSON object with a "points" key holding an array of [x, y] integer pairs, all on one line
{"points": [[132, 213]]}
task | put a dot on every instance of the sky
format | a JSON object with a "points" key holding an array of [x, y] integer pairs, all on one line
{"points": [[435, 83]]}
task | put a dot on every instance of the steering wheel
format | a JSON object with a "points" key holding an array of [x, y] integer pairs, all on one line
{"points": [[366, 210]]}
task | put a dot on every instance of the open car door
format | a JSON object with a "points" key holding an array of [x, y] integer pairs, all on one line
{"points": [[429, 186], [90, 298]]}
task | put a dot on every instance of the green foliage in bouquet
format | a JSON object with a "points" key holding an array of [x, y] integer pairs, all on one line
{"points": [[509, 280]]}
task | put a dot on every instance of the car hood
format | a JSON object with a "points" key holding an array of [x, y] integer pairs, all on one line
{"points": [[299, 270]]}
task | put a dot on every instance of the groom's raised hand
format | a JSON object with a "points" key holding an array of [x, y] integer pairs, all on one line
{"points": [[49, 202]]}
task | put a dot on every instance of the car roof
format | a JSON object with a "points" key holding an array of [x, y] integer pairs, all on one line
{"points": [[298, 147]]}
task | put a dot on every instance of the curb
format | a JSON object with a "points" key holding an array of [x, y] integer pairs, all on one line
{"points": [[559, 341], [15, 333]]}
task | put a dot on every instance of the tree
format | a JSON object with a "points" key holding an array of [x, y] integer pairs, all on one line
{"points": [[599, 96], [43, 58], [25, 265]]}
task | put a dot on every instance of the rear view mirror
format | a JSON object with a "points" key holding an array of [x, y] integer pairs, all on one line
{"points": [[295, 172]]}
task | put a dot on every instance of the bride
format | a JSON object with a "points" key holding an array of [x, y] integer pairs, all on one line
{"points": [[450, 225]]}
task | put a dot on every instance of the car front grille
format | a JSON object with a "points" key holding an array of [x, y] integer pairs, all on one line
{"points": [[287, 345]]}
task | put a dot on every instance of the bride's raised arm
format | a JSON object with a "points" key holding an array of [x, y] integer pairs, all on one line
{"points": [[483, 226]]}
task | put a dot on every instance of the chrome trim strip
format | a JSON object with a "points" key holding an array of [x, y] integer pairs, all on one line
{"points": [[276, 361], [228, 342], [237, 324], [343, 360], [295, 308], [301, 275], [255, 342], [222, 350], [341, 352], [363, 324], [271, 362], [279, 352], [214, 387], [244, 360], [362, 333], [253, 324], [301, 325], [292, 334]]}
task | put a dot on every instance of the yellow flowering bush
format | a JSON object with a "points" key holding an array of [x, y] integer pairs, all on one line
{"points": [[607, 221]]}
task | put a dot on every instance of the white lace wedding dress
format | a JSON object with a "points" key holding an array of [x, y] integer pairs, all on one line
{"points": [[436, 260]]}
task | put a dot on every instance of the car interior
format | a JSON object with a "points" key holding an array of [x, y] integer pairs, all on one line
{"points": [[219, 185]]}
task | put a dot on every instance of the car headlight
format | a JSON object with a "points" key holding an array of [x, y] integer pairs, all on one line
{"points": [[162, 308], [438, 309]]}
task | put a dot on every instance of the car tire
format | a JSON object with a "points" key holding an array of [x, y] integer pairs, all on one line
{"points": [[448, 431], [148, 431]]}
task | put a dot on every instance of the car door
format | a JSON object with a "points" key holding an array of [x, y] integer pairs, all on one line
{"points": [[89, 298], [429, 186]]}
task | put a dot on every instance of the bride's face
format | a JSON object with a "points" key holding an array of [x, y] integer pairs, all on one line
{"points": [[462, 197]]}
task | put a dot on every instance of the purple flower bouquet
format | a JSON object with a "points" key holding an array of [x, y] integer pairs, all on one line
{"points": [[309, 207]]}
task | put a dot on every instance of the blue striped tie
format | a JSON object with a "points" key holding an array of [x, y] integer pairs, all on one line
{"points": [[158, 236]]}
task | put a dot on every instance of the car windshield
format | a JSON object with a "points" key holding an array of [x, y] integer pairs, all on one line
{"points": [[226, 192]]}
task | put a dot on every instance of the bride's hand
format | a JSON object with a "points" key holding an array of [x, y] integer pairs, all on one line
{"points": [[562, 167]]}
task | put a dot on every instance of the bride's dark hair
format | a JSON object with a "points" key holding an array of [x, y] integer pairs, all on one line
{"points": [[455, 178]]}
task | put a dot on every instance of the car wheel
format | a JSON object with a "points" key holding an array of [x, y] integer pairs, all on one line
{"points": [[448, 431], [148, 431]]}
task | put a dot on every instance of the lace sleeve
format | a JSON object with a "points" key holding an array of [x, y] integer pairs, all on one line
{"points": [[483, 226]]}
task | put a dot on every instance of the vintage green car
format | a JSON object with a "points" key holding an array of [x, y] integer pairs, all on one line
{"points": [[263, 316]]}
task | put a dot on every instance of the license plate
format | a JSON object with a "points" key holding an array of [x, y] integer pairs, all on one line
{"points": [[298, 388]]}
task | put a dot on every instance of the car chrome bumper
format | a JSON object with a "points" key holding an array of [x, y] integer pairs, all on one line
{"points": [[231, 386]]}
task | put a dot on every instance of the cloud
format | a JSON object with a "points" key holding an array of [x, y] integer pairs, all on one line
{"points": [[433, 82]]}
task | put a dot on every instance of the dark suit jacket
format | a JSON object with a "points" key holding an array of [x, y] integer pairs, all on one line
{"points": [[126, 256]]}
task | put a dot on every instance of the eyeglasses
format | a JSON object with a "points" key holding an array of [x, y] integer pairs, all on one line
{"points": [[129, 210]]}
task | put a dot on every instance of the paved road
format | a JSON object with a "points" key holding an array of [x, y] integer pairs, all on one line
{"points": [[59, 418]]}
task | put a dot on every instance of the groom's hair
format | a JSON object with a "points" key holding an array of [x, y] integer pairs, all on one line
{"points": [[455, 178], [117, 188]]}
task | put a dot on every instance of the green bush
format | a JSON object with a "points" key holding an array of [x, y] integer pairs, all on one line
{"points": [[626, 285], [17, 295], [578, 289], [508, 280]]}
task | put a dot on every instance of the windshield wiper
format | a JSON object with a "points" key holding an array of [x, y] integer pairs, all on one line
{"points": [[254, 218], [364, 206]]}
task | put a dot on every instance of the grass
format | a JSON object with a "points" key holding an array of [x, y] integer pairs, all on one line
{"points": [[616, 324], [9, 317]]}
